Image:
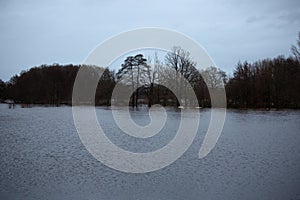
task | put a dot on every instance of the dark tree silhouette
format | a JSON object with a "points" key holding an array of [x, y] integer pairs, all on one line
{"points": [[268, 83], [296, 49], [133, 72], [3, 90], [180, 61], [52, 85]]}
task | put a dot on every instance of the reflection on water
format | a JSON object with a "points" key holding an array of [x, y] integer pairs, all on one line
{"points": [[41, 157]]}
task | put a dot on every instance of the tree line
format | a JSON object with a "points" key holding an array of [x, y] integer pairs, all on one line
{"points": [[268, 83]]}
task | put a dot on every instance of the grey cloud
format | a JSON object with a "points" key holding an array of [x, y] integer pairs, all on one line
{"points": [[293, 17], [37, 32], [254, 19]]}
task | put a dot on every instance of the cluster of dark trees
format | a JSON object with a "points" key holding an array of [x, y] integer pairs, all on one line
{"points": [[269, 83], [51, 85], [41, 85]]}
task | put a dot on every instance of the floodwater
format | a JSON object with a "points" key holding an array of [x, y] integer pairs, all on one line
{"points": [[41, 157]]}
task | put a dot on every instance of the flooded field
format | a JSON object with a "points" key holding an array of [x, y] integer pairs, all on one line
{"points": [[42, 157]]}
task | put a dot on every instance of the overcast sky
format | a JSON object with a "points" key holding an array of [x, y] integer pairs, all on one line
{"points": [[55, 31]]}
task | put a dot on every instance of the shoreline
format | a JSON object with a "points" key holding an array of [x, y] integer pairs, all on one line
{"points": [[22, 105]]}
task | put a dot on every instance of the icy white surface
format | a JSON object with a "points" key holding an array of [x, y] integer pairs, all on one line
{"points": [[42, 157]]}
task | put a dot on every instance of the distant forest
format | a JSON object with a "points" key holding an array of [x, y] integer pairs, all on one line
{"points": [[268, 83]]}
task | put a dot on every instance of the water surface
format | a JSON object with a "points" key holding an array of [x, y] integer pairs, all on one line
{"points": [[42, 157]]}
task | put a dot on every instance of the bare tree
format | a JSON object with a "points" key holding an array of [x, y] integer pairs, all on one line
{"points": [[296, 50], [152, 78], [180, 61], [214, 77]]}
